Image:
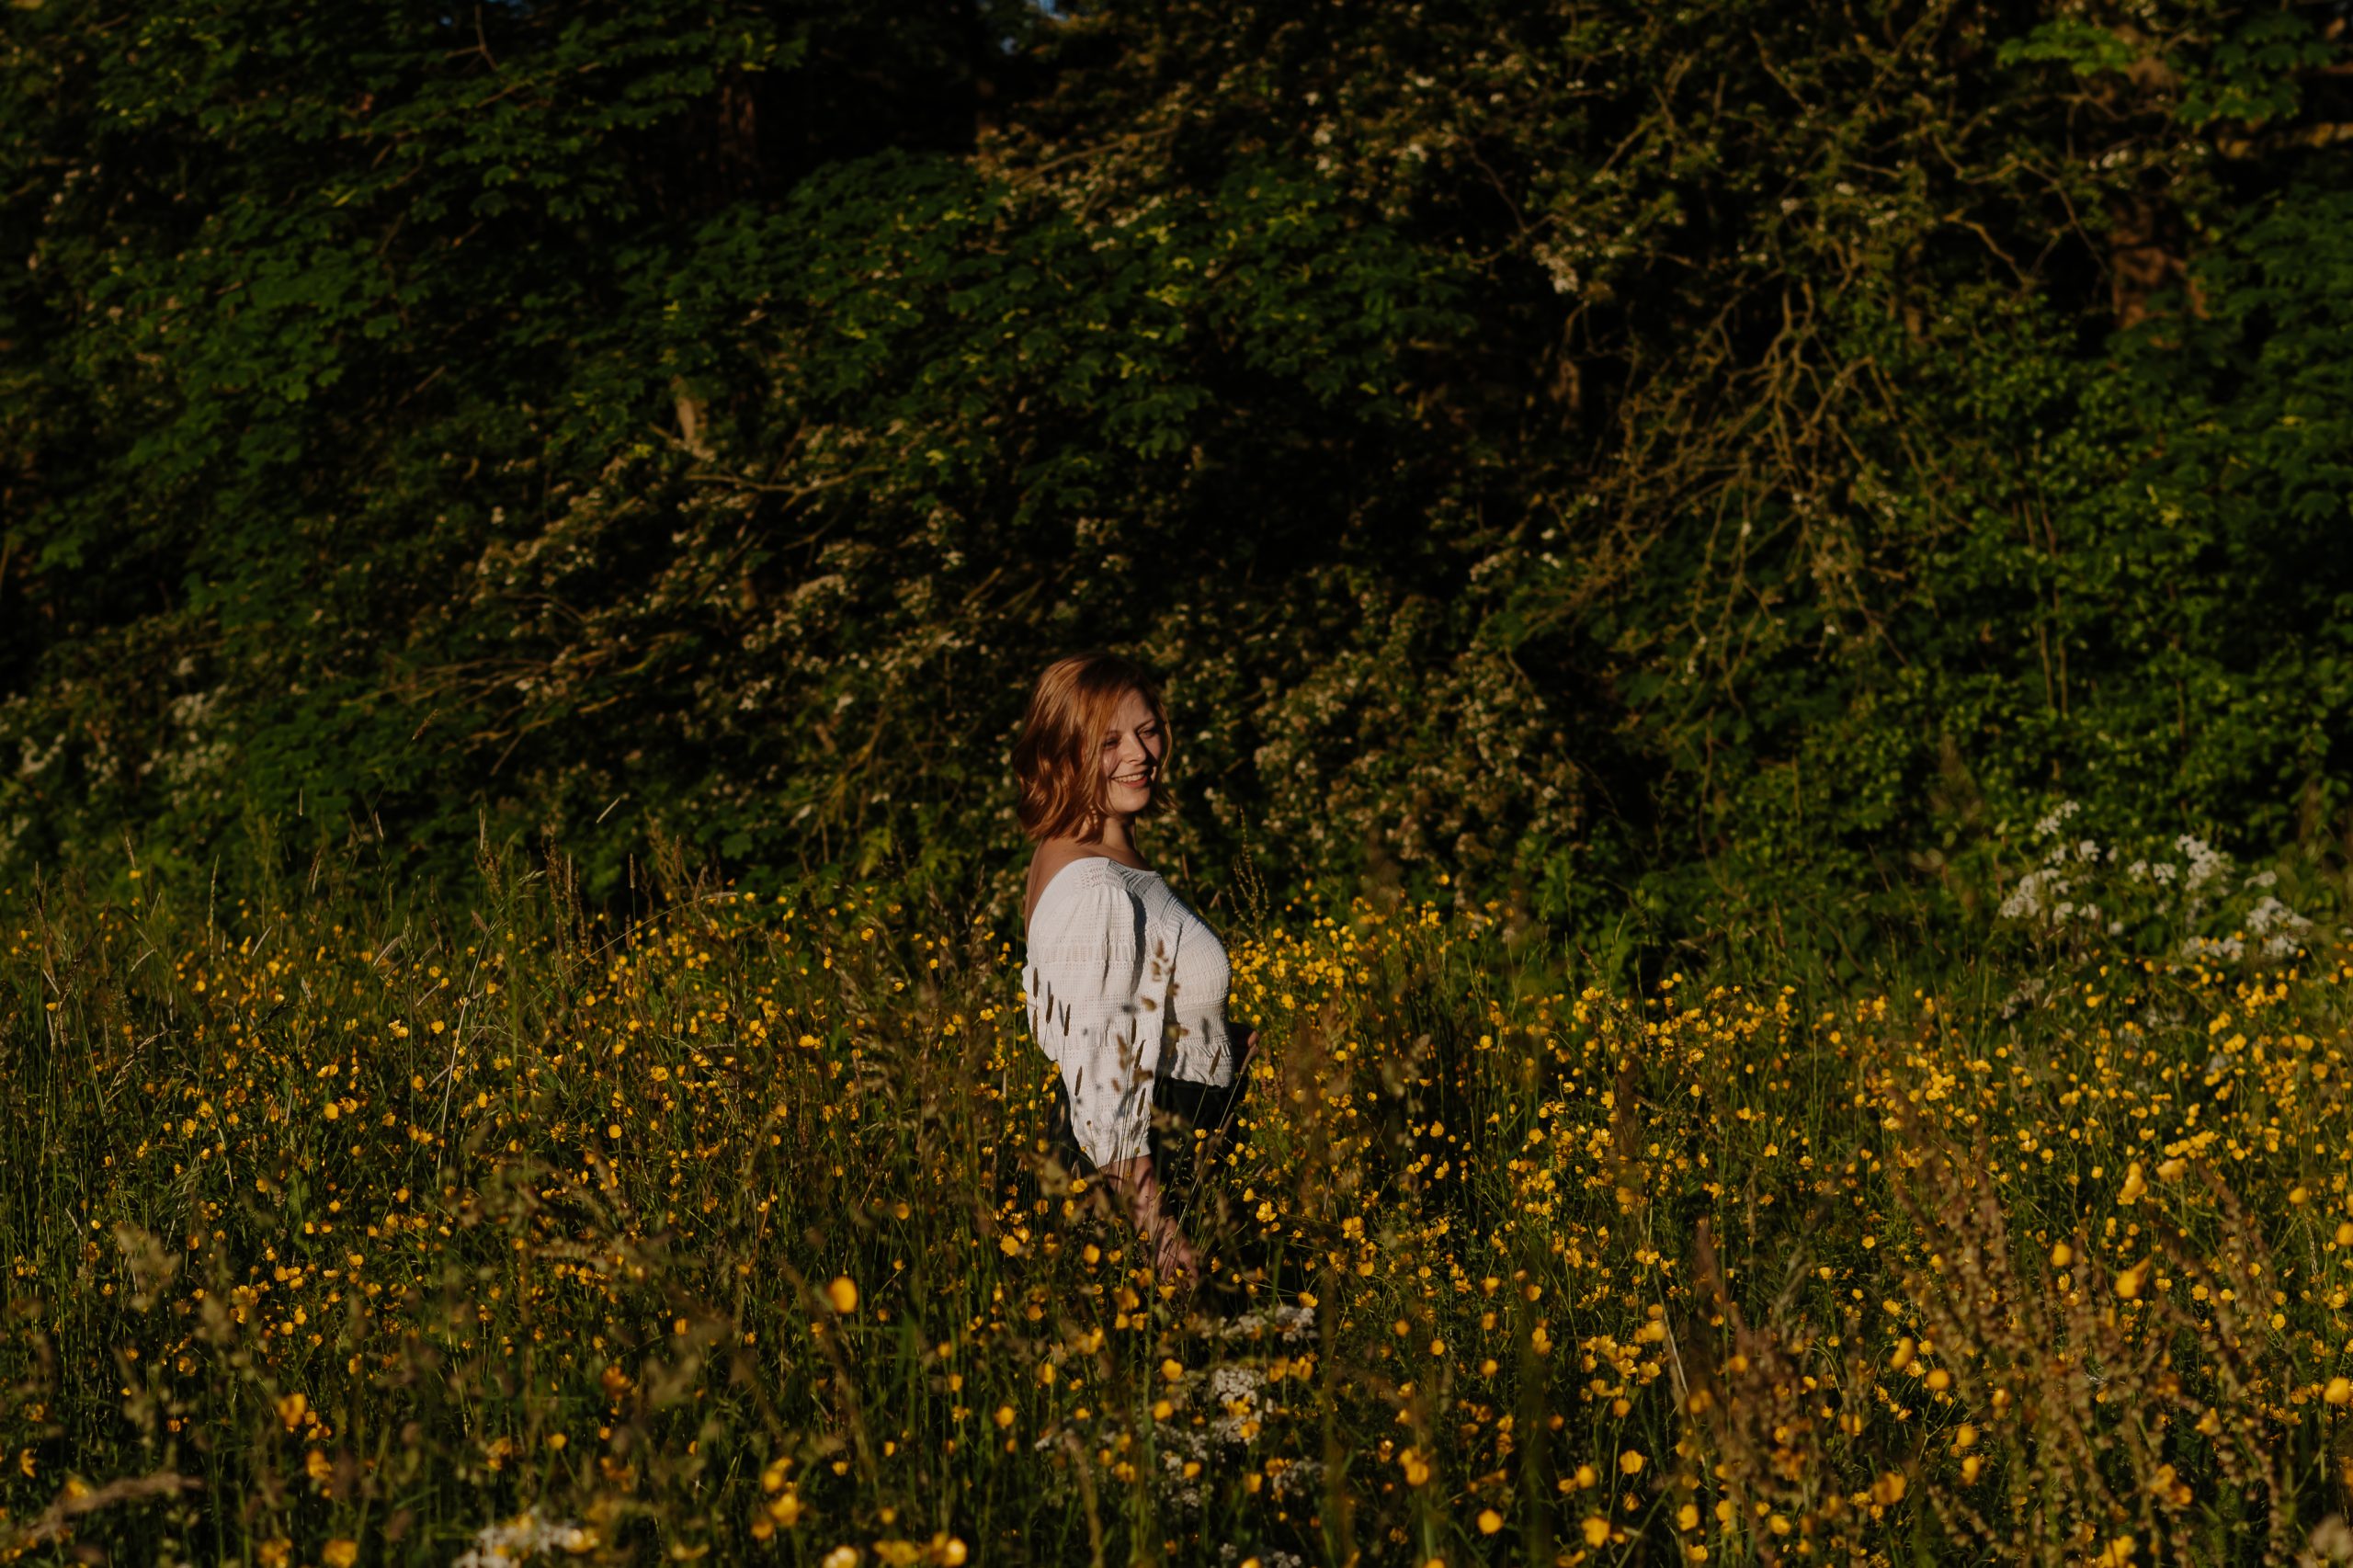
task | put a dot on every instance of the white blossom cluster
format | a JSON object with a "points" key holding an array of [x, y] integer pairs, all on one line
{"points": [[1285, 1326], [522, 1538], [1233, 1396], [2077, 889], [1227, 1553], [2332, 1541], [2042, 895]]}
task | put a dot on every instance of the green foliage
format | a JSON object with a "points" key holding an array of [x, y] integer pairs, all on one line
{"points": [[1703, 473]]}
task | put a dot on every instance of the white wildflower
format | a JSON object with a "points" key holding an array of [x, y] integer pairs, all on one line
{"points": [[2271, 912], [2031, 896], [2206, 862], [2228, 948], [1292, 1326], [2051, 824], [518, 1539]]}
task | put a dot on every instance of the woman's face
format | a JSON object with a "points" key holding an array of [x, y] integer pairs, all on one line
{"points": [[1131, 755]]}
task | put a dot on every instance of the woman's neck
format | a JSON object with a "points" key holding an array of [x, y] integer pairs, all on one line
{"points": [[1117, 840]]}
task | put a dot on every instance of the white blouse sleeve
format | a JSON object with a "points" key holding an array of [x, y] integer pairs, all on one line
{"points": [[1098, 998]]}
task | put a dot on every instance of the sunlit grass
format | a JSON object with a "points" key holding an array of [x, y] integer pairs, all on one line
{"points": [[340, 1230]]}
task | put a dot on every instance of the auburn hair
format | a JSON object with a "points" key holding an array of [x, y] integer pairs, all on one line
{"points": [[1055, 763]]}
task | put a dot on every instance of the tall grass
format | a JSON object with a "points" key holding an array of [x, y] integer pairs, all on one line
{"points": [[343, 1227]]}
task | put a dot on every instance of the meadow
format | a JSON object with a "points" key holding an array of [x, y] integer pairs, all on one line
{"points": [[349, 1227]]}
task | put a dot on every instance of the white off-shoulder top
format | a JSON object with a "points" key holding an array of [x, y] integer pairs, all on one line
{"points": [[1124, 982]]}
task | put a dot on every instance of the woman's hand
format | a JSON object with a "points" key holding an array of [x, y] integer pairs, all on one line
{"points": [[1173, 1257]]}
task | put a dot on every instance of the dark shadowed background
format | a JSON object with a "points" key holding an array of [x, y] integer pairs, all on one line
{"points": [[1695, 472]]}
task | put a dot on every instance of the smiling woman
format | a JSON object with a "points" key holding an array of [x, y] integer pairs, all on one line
{"points": [[1093, 742], [1126, 984]]}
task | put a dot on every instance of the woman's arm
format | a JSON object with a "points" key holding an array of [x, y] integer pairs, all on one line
{"points": [[1101, 997]]}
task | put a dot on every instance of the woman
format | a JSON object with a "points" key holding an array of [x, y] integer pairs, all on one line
{"points": [[1126, 984]]}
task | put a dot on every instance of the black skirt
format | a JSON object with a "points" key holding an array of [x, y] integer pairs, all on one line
{"points": [[1185, 1116]]}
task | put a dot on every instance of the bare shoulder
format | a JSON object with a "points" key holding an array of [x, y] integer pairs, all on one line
{"points": [[1056, 853], [1049, 858]]}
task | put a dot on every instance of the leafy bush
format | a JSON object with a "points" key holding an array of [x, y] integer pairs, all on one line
{"points": [[1697, 492]]}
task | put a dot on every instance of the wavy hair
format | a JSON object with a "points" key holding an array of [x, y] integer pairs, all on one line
{"points": [[1054, 766]]}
